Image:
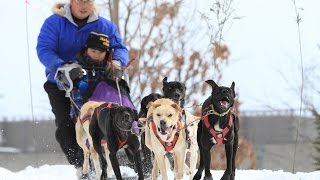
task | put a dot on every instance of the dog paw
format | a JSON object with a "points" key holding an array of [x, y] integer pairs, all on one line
{"points": [[103, 176], [84, 177], [227, 176], [208, 178], [197, 177], [232, 177]]}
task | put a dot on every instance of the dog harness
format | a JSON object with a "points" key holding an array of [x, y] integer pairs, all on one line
{"points": [[121, 143], [168, 146], [85, 118], [88, 116], [217, 135]]}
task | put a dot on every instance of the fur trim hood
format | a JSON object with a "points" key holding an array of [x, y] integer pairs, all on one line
{"points": [[64, 10], [59, 9]]}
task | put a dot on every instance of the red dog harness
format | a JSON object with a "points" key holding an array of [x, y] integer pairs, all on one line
{"points": [[217, 135], [168, 146], [121, 143], [87, 117]]}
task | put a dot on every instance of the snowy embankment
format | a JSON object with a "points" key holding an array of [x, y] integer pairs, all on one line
{"points": [[67, 172]]}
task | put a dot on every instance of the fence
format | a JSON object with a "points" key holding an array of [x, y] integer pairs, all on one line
{"points": [[273, 136]]}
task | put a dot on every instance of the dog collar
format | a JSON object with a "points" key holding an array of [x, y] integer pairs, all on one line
{"points": [[121, 143], [213, 111]]}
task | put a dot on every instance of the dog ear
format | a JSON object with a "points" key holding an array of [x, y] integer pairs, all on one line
{"points": [[150, 104], [177, 107], [134, 114], [155, 105], [212, 84], [232, 88], [113, 110], [165, 81], [125, 86]]}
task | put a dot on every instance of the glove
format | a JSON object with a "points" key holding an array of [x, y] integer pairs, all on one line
{"points": [[117, 71], [66, 74], [82, 86]]}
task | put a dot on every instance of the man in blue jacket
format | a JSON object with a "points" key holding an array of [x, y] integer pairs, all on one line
{"points": [[62, 36]]}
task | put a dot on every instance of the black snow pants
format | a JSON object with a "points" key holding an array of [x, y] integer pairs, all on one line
{"points": [[65, 133]]}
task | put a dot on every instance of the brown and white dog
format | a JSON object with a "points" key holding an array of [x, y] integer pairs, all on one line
{"points": [[82, 135], [163, 135], [108, 125]]}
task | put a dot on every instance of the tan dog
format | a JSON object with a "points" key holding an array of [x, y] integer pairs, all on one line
{"points": [[163, 135], [192, 128], [82, 134]]}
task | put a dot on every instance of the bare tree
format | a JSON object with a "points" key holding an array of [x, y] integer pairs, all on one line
{"points": [[164, 39]]}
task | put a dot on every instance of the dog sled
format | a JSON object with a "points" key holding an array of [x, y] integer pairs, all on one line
{"points": [[106, 90]]}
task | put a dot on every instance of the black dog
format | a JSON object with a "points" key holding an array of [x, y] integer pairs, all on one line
{"points": [[113, 123], [174, 90], [145, 101], [218, 126]]}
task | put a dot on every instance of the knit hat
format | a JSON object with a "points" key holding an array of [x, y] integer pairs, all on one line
{"points": [[98, 41]]}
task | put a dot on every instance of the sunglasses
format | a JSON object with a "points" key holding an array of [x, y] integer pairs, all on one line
{"points": [[84, 1]]}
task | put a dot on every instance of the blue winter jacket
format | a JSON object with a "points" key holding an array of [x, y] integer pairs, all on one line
{"points": [[60, 39]]}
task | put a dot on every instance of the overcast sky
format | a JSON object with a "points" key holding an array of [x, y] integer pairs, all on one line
{"points": [[264, 60]]}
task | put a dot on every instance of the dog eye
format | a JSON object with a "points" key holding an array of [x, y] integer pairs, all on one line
{"points": [[170, 115], [158, 115], [191, 124]]}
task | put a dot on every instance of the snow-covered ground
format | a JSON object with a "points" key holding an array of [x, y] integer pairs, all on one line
{"points": [[67, 172]]}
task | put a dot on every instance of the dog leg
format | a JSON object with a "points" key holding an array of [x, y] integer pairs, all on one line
{"points": [[198, 175], [115, 163], [235, 149], [138, 164], [85, 166], [109, 166], [229, 156], [193, 162], [186, 166], [155, 170], [95, 158], [81, 140], [179, 158], [207, 160], [160, 158], [147, 163]]}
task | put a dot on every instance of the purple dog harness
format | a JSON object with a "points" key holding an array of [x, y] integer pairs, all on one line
{"points": [[107, 93]]}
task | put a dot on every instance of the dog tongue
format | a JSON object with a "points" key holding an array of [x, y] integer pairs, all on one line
{"points": [[169, 133], [224, 103]]}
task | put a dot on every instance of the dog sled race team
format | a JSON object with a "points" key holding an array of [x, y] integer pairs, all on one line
{"points": [[84, 59]]}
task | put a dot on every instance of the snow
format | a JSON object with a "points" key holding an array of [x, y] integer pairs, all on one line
{"points": [[67, 172]]}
